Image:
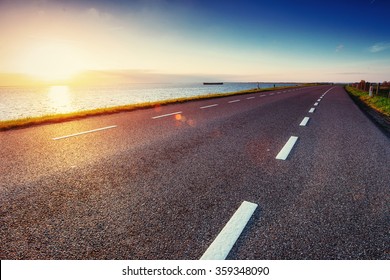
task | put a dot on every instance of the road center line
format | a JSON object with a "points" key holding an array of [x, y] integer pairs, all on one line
{"points": [[224, 242], [316, 104], [312, 110], [319, 100], [252, 97], [304, 121], [234, 101], [208, 106], [285, 151], [84, 132], [167, 115], [263, 95]]}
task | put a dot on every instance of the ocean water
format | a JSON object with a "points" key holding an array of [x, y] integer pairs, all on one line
{"points": [[23, 102]]}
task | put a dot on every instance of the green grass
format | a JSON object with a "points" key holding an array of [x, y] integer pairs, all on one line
{"points": [[25, 122], [379, 103]]}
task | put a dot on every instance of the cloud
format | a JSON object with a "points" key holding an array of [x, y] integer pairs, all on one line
{"points": [[96, 14], [339, 48], [378, 47]]}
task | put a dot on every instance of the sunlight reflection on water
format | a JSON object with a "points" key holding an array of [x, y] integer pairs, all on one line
{"points": [[60, 98], [22, 102]]}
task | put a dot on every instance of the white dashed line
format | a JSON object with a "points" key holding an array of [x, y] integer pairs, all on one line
{"points": [[167, 115], [316, 104], [304, 121], [263, 95], [223, 243], [84, 132], [252, 97], [208, 106], [234, 101], [285, 151], [319, 100], [312, 110], [272, 93]]}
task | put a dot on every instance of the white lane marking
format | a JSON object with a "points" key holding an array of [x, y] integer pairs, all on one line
{"points": [[208, 106], [319, 100], [279, 92], [234, 101], [223, 243], [263, 95], [328, 90], [285, 151], [272, 93], [316, 104], [84, 132], [167, 115], [304, 121], [312, 110], [252, 97]]}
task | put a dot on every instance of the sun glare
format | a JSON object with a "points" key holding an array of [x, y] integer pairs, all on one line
{"points": [[51, 61]]}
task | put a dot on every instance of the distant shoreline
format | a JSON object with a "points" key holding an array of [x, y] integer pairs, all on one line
{"points": [[57, 118]]}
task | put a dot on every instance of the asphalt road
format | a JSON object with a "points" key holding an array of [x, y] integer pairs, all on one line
{"points": [[161, 183]]}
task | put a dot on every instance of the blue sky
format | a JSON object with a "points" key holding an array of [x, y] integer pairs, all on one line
{"points": [[265, 40]]}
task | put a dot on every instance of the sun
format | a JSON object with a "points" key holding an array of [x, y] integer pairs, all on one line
{"points": [[52, 61]]}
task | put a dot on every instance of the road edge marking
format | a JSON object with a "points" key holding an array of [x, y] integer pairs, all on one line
{"points": [[84, 132], [208, 106], [220, 248], [167, 115]]}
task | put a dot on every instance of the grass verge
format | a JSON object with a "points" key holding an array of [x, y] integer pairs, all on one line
{"points": [[378, 103], [26, 122]]}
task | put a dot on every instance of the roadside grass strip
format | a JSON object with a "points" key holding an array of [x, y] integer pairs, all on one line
{"points": [[285, 151], [312, 110], [224, 242], [84, 132], [167, 115], [304, 121]]}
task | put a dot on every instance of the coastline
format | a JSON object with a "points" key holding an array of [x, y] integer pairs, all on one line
{"points": [[57, 118]]}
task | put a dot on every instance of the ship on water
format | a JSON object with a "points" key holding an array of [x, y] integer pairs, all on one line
{"points": [[218, 83]]}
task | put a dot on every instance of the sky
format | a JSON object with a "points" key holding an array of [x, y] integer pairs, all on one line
{"points": [[120, 41]]}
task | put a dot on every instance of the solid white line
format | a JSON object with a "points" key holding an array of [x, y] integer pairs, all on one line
{"points": [[167, 115], [316, 104], [223, 243], [84, 132], [252, 97], [208, 106], [234, 101], [328, 90], [304, 121], [285, 151], [312, 110]]}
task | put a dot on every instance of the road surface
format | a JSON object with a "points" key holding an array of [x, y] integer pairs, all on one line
{"points": [[162, 183]]}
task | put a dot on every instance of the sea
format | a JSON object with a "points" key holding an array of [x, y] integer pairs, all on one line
{"points": [[25, 102]]}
